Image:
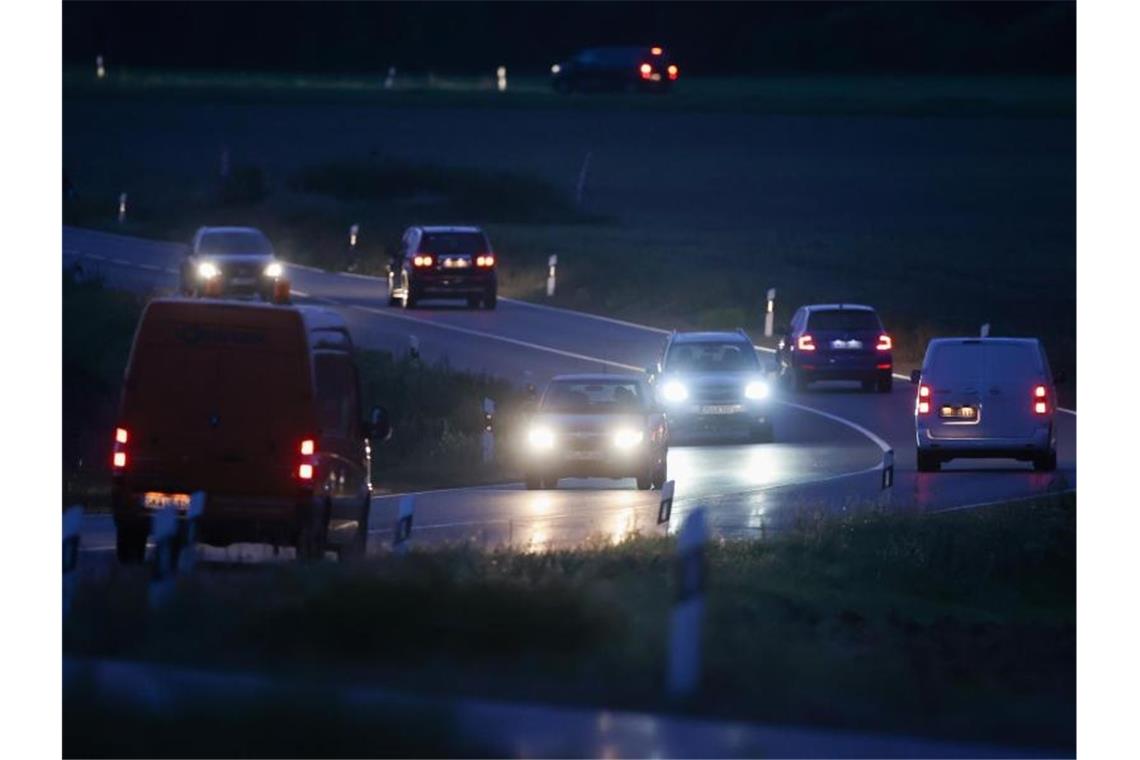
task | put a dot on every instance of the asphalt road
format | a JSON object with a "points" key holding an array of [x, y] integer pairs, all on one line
{"points": [[827, 457]]}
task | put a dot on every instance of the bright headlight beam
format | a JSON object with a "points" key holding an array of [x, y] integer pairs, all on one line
{"points": [[540, 438], [627, 439], [274, 269], [756, 389], [674, 391], [208, 270]]}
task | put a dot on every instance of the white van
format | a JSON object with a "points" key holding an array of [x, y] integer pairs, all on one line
{"points": [[985, 397]]}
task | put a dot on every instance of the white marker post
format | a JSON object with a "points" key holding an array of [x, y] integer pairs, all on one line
{"points": [[100, 69], [188, 555], [72, 525], [770, 313], [403, 533], [684, 671], [552, 263], [665, 509], [985, 332], [501, 76], [353, 234], [488, 431], [164, 526], [414, 346], [888, 468], [122, 207]]}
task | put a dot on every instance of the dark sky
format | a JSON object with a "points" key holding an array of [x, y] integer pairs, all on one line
{"points": [[470, 37]]}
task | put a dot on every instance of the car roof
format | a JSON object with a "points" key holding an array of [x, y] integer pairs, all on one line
{"points": [[451, 228], [596, 377], [976, 339], [839, 307], [709, 336]]}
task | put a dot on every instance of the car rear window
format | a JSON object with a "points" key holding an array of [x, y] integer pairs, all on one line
{"points": [[953, 363], [711, 357], [592, 397], [234, 244], [843, 320], [443, 243]]}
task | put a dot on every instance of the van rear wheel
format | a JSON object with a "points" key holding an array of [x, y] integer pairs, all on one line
{"points": [[928, 462], [130, 544], [313, 535], [357, 547], [1046, 462]]}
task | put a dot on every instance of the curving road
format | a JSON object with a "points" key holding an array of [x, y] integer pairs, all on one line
{"points": [[828, 456]]}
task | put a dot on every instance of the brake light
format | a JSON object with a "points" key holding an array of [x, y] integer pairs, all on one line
{"points": [[119, 460], [305, 472], [673, 71], [308, 447], [805, 343], [305, 468], [925, 399], [646, 70], [884, 343], [1040, 400], [422, 260], [119, 454], [655, 50], [485, 261], [121, 435]]}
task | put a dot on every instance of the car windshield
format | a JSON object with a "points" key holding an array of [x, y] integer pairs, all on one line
{"points": [[593, 397], [234, 243], [444, 243], [711, 357], [844, 320]]}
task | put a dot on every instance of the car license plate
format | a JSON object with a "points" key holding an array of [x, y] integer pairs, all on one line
{"points": [[847, 345], [456, 263], [159, 500], [584, 456], [721, 409], [966, 413]]}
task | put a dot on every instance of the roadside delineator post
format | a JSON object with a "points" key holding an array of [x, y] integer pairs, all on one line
{"points": [[888, 468], [985, 331], [665, 509], [188, 554], [122, 207], [684, 666], [501, 76], [353, 233], [164, 527], [390, 80], [72, 524], [100, 69], [770, 313], [488, 431], [414, 346], [582, 174], [403, 533], [552, 263]]}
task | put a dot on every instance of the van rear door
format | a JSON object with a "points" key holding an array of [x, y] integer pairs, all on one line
{"points": [[954, 374], [1012, 369]]}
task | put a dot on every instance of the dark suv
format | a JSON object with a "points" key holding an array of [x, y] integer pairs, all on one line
{"points": [[836, 342], [443, 262], [630, 69], [713, 382]]}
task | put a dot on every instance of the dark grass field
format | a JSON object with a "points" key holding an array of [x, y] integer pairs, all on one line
{"points": [[959, 626], [694, 204]]}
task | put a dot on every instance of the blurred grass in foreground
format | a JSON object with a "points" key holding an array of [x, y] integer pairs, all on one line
{"points": [[958, 626]]}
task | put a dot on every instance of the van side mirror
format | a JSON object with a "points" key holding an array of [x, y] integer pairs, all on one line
{"points": [[379, 425], [1060, 377], [915, 376]]}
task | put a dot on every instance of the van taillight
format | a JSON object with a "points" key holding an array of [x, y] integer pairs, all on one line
{"points": [[884, 343], [422, 260], [805, 343], [646, 70], [308, 446], [673, 72], [925, 399], [486, 260], [1040, 400], [305, 468], [305, 472], [119, 456]]}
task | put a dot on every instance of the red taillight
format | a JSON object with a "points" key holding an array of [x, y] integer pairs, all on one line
{"points": [[485, 261], [884, 343], [119, 455], [1040, 400], [422, 260], [119, 460], [305, 472], [646, 70], [673, 71], [308, 447], [655, 50], [924, 399], [805, 343], [121, 435]]}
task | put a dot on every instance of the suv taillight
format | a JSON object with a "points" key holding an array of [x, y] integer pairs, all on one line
{"points": [[884, 343], [1040, 400], [422, 260], [805, 343], [646, 71], [485, 260], [924, 401], [119, 454], [673, 72], [305, 468]]}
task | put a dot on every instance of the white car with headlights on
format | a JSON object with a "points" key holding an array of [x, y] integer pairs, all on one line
{"points": [[713, 382], [231, 261], [596, 426]]}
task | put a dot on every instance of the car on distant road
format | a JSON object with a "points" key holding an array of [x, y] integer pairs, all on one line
{"points": [[714, 382], [836, 341], [985, 398], [230, 261], [629, 69], [444, 262], [597, 426], [259, 407]]}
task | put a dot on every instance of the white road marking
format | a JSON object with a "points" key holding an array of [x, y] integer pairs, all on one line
{"points": [[305, 267], [981, 504], [360, 276]]}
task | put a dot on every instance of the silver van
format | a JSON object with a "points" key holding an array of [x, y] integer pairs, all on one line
{"points": [[982, 398]]}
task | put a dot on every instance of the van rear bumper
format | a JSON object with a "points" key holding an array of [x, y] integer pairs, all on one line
{"points": [[1026, 447]]}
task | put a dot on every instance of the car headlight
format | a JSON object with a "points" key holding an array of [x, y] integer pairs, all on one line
{"points": [[674, 391], [208, 270], [555, 69], [540, 438], [756, 390], [274, 269], [627, 439]]}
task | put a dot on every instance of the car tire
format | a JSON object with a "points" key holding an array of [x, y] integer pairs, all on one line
{"points": [[491, 301], [312, 538], [660, 476], [928, 462], [885, 384], [130, 544], [533, 482], [645, 482], [474, 302], [1046, 462], [762, 433]]}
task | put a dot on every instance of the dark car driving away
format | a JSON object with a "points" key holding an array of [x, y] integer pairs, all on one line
{"points": [[443, 262], [629, 69], [836, 342]]}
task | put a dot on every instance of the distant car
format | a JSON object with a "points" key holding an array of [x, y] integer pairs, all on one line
{"points": [[443, 262], [630, 69], [713, 382], [227, 261], [838, 341], [259, 407], [597, 426], [983, 398]]}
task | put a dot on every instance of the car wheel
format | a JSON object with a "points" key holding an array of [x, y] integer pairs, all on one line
{"points": [[313, 535], [928, 462], [869, 385], [660, 476], [1046, 462], [130, 544], [533, 482], [490, 301], [762, 433], [885, 383], [645, 482]]}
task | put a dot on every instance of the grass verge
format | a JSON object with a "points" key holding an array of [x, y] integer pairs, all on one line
{"points": [[958, 626]]}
